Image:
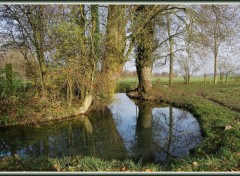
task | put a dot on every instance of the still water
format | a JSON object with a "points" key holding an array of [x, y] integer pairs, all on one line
{"points": [[136, 130]]}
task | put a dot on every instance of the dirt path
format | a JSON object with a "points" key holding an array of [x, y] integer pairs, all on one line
{"points": [[220, 103]]}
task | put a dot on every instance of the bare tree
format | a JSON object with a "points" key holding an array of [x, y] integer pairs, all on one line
{"points": [[218, 27], [227, 66], [188, 66]]}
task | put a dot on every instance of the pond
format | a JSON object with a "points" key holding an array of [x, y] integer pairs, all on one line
{"points": [[129, 129]]}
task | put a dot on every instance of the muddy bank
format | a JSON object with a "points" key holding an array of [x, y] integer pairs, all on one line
{"points": [[32, 112], [143, 96]]}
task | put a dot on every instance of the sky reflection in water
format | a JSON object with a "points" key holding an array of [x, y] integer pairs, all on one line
{"points": [[172, 132], [137, 130]]}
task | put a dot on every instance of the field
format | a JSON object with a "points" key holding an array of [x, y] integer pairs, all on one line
{"points": [[129, 83]]}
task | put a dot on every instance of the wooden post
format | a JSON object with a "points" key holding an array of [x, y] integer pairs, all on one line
{"points": [[9, 76]]}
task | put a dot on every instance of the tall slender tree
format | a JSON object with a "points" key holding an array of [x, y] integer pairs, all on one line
{"points": [[170, 49]]}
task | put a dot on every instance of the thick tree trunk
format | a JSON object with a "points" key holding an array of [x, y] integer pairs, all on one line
{"points": [[94, 41], [186, 78], [87, 125], [38, 34], [115, 46], [144, 116], [144, 78], [115, 39], [144, 50], [144, 144], [84, 105]]}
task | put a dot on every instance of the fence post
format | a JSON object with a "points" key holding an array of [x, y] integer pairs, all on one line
{"points": [[9, 76]]}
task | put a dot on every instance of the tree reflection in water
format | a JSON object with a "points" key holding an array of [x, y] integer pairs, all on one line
{"points": [[96, 136], [175, 132], [159, 133], [137, 130]]}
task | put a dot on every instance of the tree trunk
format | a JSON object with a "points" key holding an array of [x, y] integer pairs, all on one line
{"points": [[42, 70], [38, 34], [87, 125], [205, 78], [144, 50], [69, 92], [144, 143], [186, 77], [221, 77], [84, 105], [170, 136], [226, 78], [215, 69], [95, 28], [144, 78], [94, 41], [144, 116], [188, 80], [170, 50], [115, 46], [215, 57]]}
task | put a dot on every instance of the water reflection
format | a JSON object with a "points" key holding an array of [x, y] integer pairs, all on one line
{"points": [[137, 130], [175, 132], [95, 136], [160, 133]]}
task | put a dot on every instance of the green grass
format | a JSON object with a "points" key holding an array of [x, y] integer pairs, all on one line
{"points": [[71, 164], [220, 148], [125, 84], [164, 80], [215, 107]]}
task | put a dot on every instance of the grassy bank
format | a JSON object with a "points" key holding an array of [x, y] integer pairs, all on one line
{"points": [[215, 106], [217, 110], [71, 164]]}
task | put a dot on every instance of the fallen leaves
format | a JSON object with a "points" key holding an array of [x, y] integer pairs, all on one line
{"points": [[228, 127], [124, 168], [194, 164], [148, 170]]}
